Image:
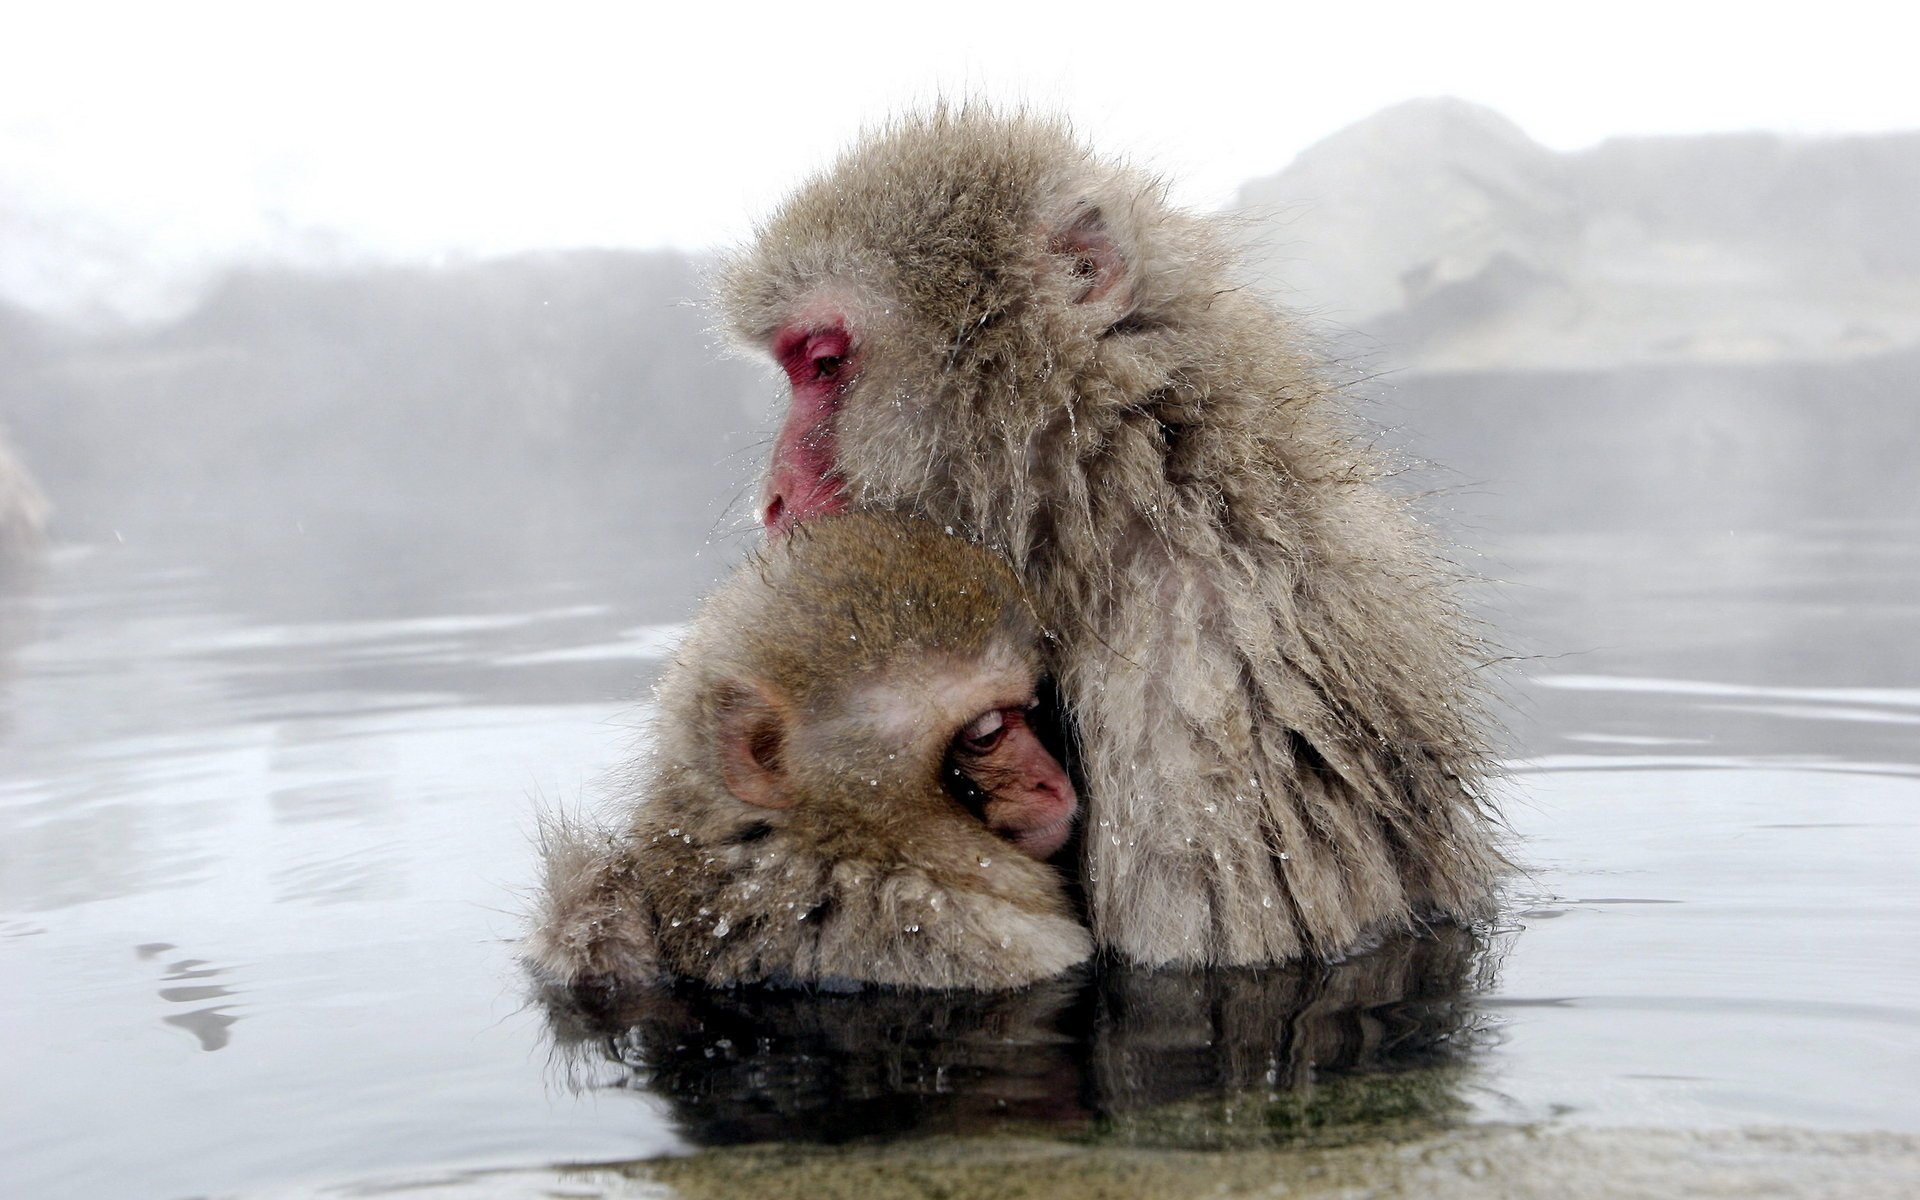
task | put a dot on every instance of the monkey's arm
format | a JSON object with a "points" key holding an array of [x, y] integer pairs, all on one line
{"points": [[781, 911], [911, 929], [591, 921]]}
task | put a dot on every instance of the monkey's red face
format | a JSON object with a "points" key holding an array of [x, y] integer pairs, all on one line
{"points": [[818, 356], [946, 303], [1021, 790]]}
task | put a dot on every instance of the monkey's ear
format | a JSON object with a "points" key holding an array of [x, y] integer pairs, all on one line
{"points": [[753, 735], [1095, 262]]}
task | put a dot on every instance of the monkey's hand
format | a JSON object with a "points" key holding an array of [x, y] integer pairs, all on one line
{"points": [[911, 928], [591, 923]]}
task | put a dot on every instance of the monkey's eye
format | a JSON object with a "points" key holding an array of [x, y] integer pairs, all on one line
{"points": [[813, 356], [984, 734]]}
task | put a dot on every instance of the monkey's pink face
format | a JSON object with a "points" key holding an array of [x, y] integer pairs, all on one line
{"points": [[994, 761], [817, 352], [1028, 799], [835, 332]]}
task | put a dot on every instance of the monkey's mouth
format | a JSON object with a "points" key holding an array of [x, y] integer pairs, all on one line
{"points": [[1041, 841]]}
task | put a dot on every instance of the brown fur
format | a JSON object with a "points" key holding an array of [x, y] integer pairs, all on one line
{"points": [[1273, 687], [874, 874]]}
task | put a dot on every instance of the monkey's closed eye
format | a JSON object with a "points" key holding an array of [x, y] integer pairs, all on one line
{"points": [[813, 356], [986, 732]]}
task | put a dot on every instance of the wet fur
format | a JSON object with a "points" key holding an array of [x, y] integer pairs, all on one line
{"points": [[889, 881], [1274, 689]]}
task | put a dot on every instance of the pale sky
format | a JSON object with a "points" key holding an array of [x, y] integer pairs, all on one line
{"points": [[138, 141]]}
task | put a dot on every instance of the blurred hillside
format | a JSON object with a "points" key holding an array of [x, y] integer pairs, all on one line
{"points": [[548, 404], [1440, 229]]}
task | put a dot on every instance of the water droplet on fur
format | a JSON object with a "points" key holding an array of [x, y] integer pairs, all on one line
{"points": [[721, 928], [1266, 902], [986, 862]]}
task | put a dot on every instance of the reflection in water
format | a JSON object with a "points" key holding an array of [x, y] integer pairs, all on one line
{"points": [[1146, 1057], [209, 1025]]}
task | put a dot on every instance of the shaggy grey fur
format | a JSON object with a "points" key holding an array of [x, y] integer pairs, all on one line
{"points": [[1274, 688]]}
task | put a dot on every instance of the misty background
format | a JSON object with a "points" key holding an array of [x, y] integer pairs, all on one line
{"points": [[399, 301], [1673, 333]]}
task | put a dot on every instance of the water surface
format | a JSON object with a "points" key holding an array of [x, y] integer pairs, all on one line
{"points": [[263, 850]]}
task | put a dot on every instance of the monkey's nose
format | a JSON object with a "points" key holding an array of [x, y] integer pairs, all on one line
{"points": [[789, 502]]}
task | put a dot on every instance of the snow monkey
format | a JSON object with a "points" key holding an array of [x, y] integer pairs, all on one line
{"points": [[1274, 692], [843, 785]]}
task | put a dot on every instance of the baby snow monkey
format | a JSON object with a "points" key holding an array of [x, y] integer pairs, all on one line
{"points": [[842, 787]]}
